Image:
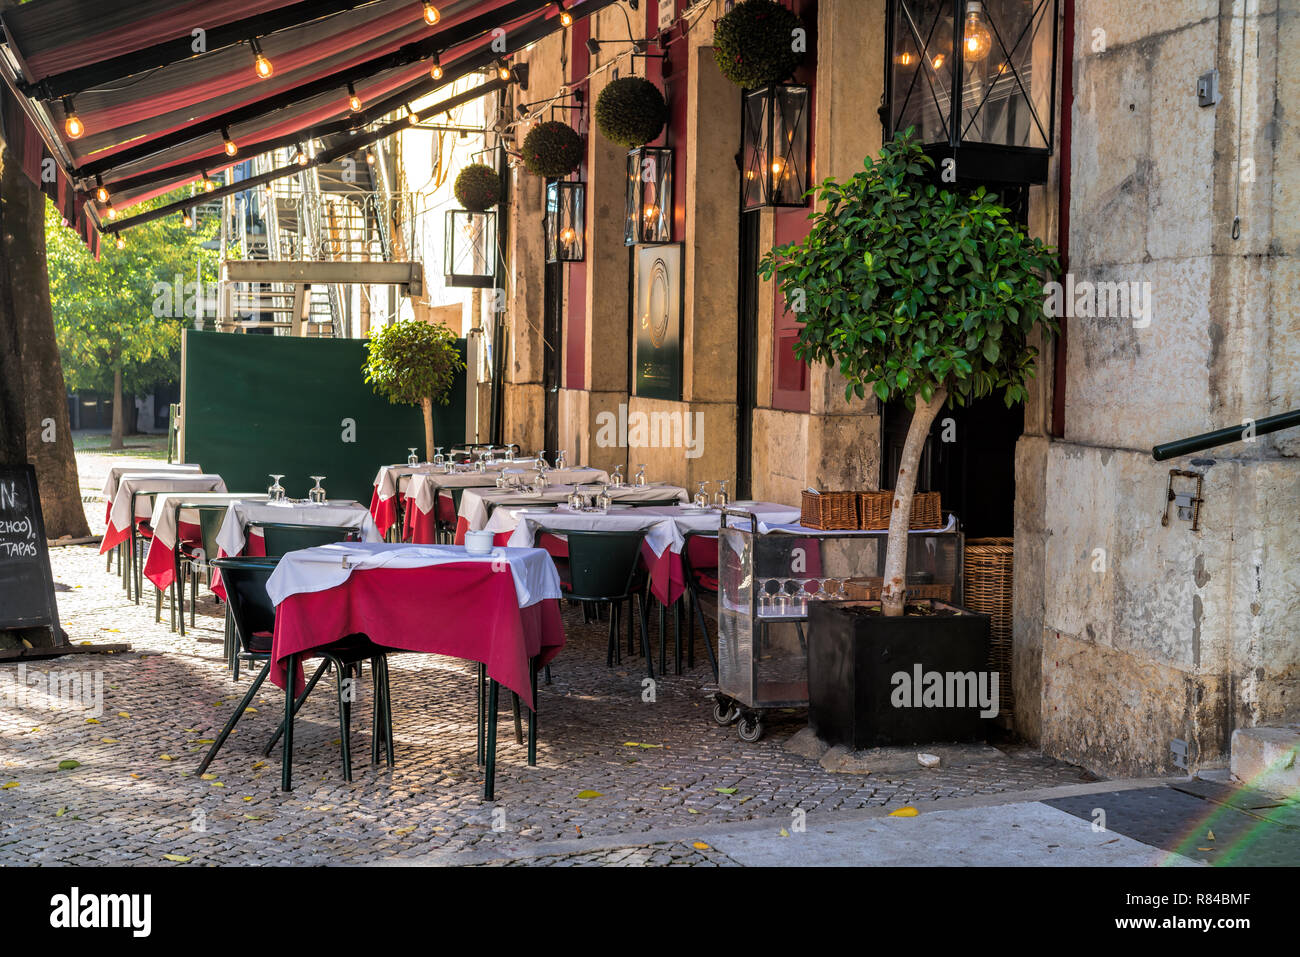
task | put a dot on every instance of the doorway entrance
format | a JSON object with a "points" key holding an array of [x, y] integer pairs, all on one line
{"points": [[746, 353], [552, 333]]}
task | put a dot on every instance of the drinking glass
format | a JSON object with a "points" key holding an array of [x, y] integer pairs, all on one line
{"points": [[561, 459], [541, 460], [510, 453], [722, 499], [702, 496], [439, 459], [603, 500], [317, 494], [617, 478], [575, 499], [276, 491], [640, 475], [412, 459]]}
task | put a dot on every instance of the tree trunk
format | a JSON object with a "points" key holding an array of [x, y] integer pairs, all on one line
{"points": [[34, 423], [894, 589], [116, 441], [427, 405]]}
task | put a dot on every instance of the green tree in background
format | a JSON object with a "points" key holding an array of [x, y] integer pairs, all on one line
{"points": [[413, 362], [119, 319]]}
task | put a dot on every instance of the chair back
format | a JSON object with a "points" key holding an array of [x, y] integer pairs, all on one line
{"points": [[210, 519], [250, 605], [282, 537], [602, 564], [650, 502]]}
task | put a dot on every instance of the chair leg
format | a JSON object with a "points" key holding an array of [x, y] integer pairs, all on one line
{"points": [[489, 779], [519, 724], [482, 711], [297, 705], [532, 715], [286, 769], [157, 605], [663, 636], [548, 674], [708, 645], [645, 634], [677, 632], [234, 718], [388, 712], [613, 640], [343, 673], [194, 594]]}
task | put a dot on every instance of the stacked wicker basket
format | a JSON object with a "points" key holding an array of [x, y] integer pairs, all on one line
{"points": [[989, 563], [869, 510]]}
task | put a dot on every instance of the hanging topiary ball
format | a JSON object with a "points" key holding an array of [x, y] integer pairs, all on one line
{"points": [[477, 187], [754, 44], [631, 111], [552, 149]]}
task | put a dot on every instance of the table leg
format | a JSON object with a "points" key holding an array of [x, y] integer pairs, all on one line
{"points": [[478, 758], [532, 715], [489, 780], [286, 770]]}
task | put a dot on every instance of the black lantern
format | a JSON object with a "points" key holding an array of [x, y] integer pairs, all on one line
{"points": [[1003, 64], [471, 249], [649, 196], [566, 240], [775, 140]]}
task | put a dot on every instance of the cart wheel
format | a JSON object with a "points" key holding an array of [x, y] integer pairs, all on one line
{"points": [[750, 728], [724, 713]]}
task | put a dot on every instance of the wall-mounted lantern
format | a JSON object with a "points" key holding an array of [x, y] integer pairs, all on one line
{"points": [[1000, 127], [566, 240], [471, 248], [775, 138], [649, 196]]}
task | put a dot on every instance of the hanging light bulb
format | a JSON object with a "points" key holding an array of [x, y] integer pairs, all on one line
{"points": [[435, 71], [566, 18], [567, 235], [186, 219], [354, 101], [72, 124], [503, 71], [112, 213], [976, 39], [300, 157], [431, 14], [370, 157], [121, 243], [231, 148], [905, 59], [101, 194], [938, 61], [261, 65], [412, 117]]}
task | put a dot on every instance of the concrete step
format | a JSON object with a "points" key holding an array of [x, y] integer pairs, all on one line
{"points": [[1268, 757]]}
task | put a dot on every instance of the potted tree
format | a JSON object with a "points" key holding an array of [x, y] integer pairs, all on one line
{"points": [[414, 363], [918, 292]]}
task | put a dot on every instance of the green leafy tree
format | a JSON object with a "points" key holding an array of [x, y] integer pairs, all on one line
{"points": [[918, 292], [414, 363], [119, 318]]}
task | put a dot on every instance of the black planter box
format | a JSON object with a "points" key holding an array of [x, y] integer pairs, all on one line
{"points": [[854, 657]]}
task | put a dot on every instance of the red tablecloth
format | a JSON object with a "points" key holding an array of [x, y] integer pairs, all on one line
{"points": [[464, 610], [383, 511], [160, 563]]}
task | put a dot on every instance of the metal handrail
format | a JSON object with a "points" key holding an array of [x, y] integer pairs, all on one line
{"points": [[1209, 440]]}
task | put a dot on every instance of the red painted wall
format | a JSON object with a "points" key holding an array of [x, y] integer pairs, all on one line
{"points": [[575, 320]]}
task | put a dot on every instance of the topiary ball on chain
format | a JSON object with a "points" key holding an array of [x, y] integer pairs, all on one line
{"points": [[477, 187], [754, 44], [552, 149], [631, 111]]}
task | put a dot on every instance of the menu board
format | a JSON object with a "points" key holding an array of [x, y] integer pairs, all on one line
{"points": [[26, 583]]}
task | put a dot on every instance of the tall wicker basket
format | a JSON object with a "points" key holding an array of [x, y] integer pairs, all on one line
{"points": [[989, 563]]}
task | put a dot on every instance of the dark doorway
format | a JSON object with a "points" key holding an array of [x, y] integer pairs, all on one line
{"points": [[552, 353], [746, 353]]}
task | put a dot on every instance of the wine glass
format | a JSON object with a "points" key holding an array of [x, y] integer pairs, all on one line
{"points": [[275, 492], [439, 459], [560, 459], [603, 500], [510, 453], [722, 499], [412, 459], [617, 478], [541, 460], [575, 499], [317, 494], [702, 496], [640, 475]]}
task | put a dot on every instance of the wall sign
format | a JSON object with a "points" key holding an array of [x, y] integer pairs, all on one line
{"points": [[657, 322], [26, 582]]}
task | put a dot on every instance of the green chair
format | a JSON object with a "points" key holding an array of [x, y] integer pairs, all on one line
{"points": [[254, 616], [604, 569], [194, 561], [282, 537], [445, 529]]}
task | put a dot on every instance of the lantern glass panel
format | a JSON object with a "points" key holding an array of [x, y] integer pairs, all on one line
{"points": [[565, 222], [649, 213], [775, 147], [1004, 68], [471, 248]]}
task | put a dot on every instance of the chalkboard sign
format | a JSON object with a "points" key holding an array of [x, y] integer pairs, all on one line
{"points": [[26, 583]]}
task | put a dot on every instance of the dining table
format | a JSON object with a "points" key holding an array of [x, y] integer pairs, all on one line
{"points": [[116, 472], [132, 498], [391, 482], [476, 504], [173, 524], [500, 609]]}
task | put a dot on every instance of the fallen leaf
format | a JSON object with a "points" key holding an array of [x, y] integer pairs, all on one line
{"points": [[178, 858], [92, 721], [259, 765], [218, 784], [700, 845], [403, 830], [1209, 836], [207, 777], [166, 757], [588, 795], [252, 817], [123, 714], [907, 811], [69, 765], [60, 812], [725, 790], [136, 776], [204, 741], [110, 741], [748, 797], [248, 797], [784, 832], [691, 810], [6, 787]]}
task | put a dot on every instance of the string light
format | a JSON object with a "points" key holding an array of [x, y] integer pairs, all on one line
{"points": [[72, 125], [503, 71], [101, 193], [354, 101], [431, 14], [413, 117], [186, 219], [207, 184], [566, 18], [261, 65], [231, 148], [435, 71], [300, 157], [370, 157], [121, 243], [111, 212]]}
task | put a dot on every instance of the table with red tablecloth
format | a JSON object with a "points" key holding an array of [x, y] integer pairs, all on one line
{"points": [[131, 501], [173, 525]]}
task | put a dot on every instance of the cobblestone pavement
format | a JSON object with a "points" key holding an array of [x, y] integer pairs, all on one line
{"points": [[676, 854], [608, 762]]}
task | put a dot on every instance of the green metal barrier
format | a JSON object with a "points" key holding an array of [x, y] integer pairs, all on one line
{"points": [[1235, 433], [260, 404]]}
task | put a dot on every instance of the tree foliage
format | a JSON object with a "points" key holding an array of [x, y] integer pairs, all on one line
{"points": [[909, 287], [411, 360]]}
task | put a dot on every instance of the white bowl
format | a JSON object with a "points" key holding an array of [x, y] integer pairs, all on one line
{"points": [[479, 543]]}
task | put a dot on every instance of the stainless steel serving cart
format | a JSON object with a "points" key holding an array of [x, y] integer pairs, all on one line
{"points": [[768, 575]]}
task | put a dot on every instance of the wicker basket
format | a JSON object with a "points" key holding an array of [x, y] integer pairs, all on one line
{"points": [[875, 509], [989, 563], [868, 589], [829, 510]]}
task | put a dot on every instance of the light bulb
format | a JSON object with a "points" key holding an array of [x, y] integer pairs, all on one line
{"points": [[566, 18], [413, 117], [906, 59], [370, 158], [435, 71], [101, 194], [231, 148], [121, 243], [72, 124], [112, 213], [778, 166], [186, 220], [354, 101], [209, 185], [261, 65], [938, 61], [976, 39], [300, 157], [568, 235], [503, 71], [431, 14]]}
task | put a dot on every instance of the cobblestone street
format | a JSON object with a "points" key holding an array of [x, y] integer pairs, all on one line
{"points": [[608, 762]]}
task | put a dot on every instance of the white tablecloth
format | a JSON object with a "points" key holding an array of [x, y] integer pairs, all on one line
{"points": [[232, 538], [423, 489], [794, 528], [166, 516], [666, 525], [130, 483], [474, 503], [156, 468], [316, 569]]}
